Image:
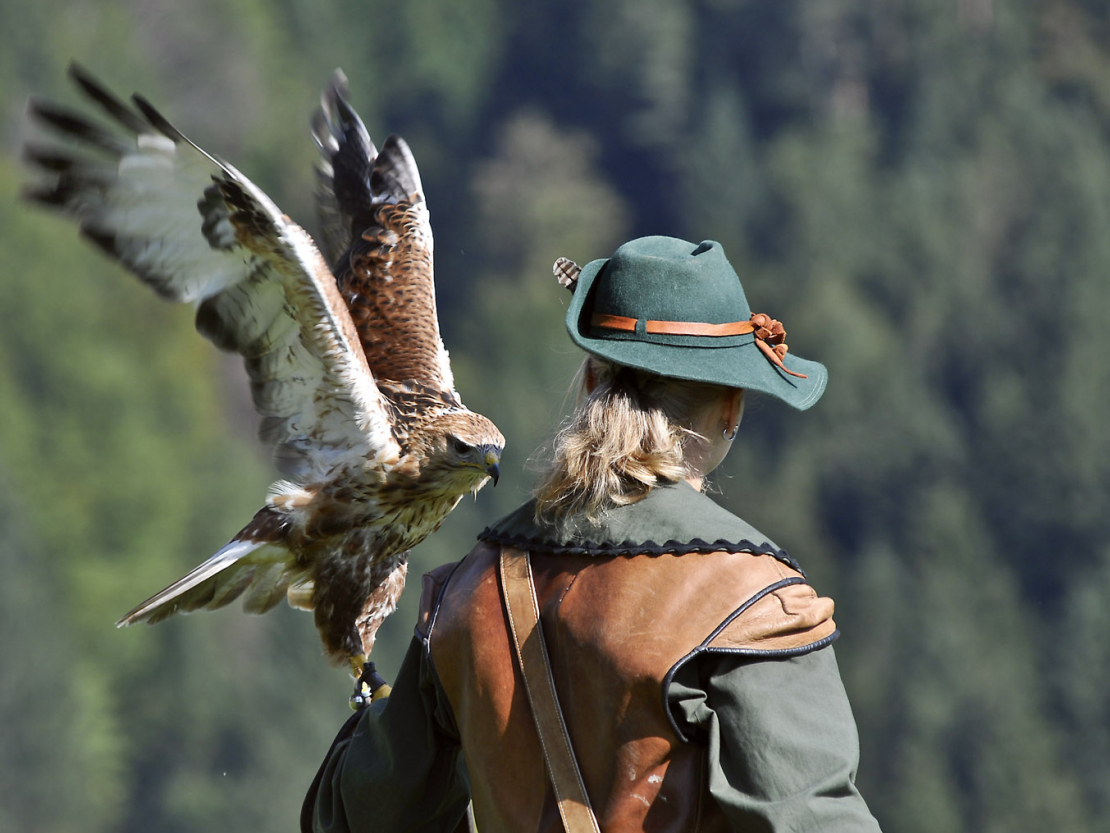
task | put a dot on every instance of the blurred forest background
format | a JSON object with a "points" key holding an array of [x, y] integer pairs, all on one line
{"points": [[919, 189]]}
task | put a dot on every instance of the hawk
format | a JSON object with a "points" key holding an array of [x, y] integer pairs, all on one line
{"points": [[346, 366]]}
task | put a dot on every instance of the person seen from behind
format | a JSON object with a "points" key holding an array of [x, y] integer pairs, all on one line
{"points": [[620, 653]]}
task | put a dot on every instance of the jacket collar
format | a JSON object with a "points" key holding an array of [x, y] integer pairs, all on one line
{"points": [[672, 519]]}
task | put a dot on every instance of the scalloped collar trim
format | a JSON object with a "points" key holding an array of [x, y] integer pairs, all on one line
{"points": [[649, 547], [677, 511]]}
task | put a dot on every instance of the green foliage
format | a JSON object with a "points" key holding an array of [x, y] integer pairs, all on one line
{"points": [[918, 190]]}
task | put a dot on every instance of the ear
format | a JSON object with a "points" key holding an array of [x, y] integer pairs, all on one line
{"points": [[732, 409], [591, 377]]}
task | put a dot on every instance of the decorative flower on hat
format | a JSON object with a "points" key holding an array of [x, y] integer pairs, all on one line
{"points": [[770, 337]]}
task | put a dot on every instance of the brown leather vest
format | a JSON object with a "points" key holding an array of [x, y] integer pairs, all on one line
{"points": [[614, 627]]}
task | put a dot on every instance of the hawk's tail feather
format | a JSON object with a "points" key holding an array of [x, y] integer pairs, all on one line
{"points": [[261, 569]]}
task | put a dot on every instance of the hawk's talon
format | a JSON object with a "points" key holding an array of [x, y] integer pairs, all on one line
{"points": [[369, 687], [360, 700]]}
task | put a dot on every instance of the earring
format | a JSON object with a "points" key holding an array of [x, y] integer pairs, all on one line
{"points": [[730, 435]]}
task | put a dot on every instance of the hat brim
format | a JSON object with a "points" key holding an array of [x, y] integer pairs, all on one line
{"points": [[737, 364]]}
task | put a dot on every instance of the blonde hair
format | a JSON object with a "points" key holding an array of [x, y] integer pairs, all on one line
{"points": [[627, 435]]}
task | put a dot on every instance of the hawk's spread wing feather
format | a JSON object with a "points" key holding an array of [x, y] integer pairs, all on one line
{"points": [[343, 200], [372, 206], [197, 230]]}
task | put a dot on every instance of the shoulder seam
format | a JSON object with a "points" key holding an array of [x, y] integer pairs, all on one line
{"points": [[426, 639], [754, 653], [755, 597]]}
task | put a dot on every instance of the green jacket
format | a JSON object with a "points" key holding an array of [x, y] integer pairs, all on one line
{"points": [[693, 666]]}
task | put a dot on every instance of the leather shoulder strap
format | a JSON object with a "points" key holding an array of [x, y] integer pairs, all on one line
{"points": [[519, 593]]}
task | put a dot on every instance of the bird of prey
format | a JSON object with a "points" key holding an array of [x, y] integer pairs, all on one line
{"points": [[347, 369]]}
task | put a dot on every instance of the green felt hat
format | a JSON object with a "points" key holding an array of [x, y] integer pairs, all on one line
{"points": [[677, 309]]}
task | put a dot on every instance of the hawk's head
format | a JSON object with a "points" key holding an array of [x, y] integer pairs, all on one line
{"points": [[465, 451]]}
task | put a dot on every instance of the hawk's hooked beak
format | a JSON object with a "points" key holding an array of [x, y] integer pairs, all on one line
{"points": [[493, 460]]}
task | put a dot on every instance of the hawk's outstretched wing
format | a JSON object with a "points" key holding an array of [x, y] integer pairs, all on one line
{"points": [[372, 206], [195, 229]]}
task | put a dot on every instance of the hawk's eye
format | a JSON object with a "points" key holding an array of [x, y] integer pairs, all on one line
{"points": [[460, 446]]}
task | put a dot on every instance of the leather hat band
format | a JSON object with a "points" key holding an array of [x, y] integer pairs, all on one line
{"points": [[673, 328], [770, 336]]}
